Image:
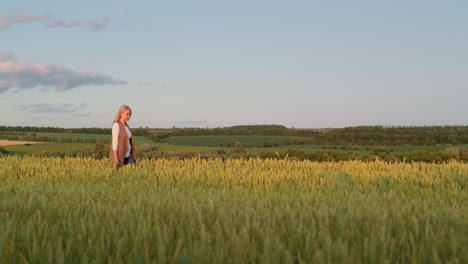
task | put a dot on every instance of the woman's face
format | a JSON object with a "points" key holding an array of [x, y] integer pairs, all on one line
{"points": [[125, 116]]}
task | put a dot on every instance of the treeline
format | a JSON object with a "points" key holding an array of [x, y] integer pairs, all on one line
{"points": [[379, 135], [33, 129], [261, 130], [32, 137], [108, 131], [361, 135], [19, 130], [245, 131]]}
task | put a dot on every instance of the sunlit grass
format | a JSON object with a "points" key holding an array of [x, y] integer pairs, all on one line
{"points": [[256, 211]]}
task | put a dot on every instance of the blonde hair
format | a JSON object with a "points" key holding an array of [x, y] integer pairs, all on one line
{"points": [[122, 109]]}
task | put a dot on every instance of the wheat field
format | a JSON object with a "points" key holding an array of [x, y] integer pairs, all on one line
{"points": [[80, 210]]}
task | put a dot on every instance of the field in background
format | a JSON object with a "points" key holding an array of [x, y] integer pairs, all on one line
{"points": [[46, 147], [4, 143], [224, 140], [200, 144], [52, 147], [76, 210]]}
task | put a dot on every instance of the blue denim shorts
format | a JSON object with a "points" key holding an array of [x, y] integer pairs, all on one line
{"points": [[128, 160]]}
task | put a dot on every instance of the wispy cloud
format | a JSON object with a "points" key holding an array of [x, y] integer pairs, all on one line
{"points": [[21, 17], [94, 25], [25, 75], [88, 114], [38, 119], [24, 17], [6, 56], [163, 84], [200, 123], [51, 108]]}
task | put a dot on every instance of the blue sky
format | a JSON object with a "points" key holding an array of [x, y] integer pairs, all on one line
{"points": [[298, 63]]}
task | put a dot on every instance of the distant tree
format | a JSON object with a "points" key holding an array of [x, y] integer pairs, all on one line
{"points": [[425, 156], [381, 152], [233, 144], [3, 151], [67, 140], [459, 152], [237, 153], [91, 140], [100, 151], [220, 151]]}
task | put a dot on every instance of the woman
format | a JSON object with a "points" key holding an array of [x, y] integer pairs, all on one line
{"points": [[122, 151]]}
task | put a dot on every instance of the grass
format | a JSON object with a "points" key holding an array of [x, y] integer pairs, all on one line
{"points": [[45, 147], [138, 139], [196, 144], [194, 211], [75, 135], [62, 147], [363, 150], [217, 140], [201, 149], [185, 144]]}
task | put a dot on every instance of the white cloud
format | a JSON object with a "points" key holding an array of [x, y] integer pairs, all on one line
{"points": [[25, 75], [25, 17], [94, 25], [21, 17], [51, 108]]}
